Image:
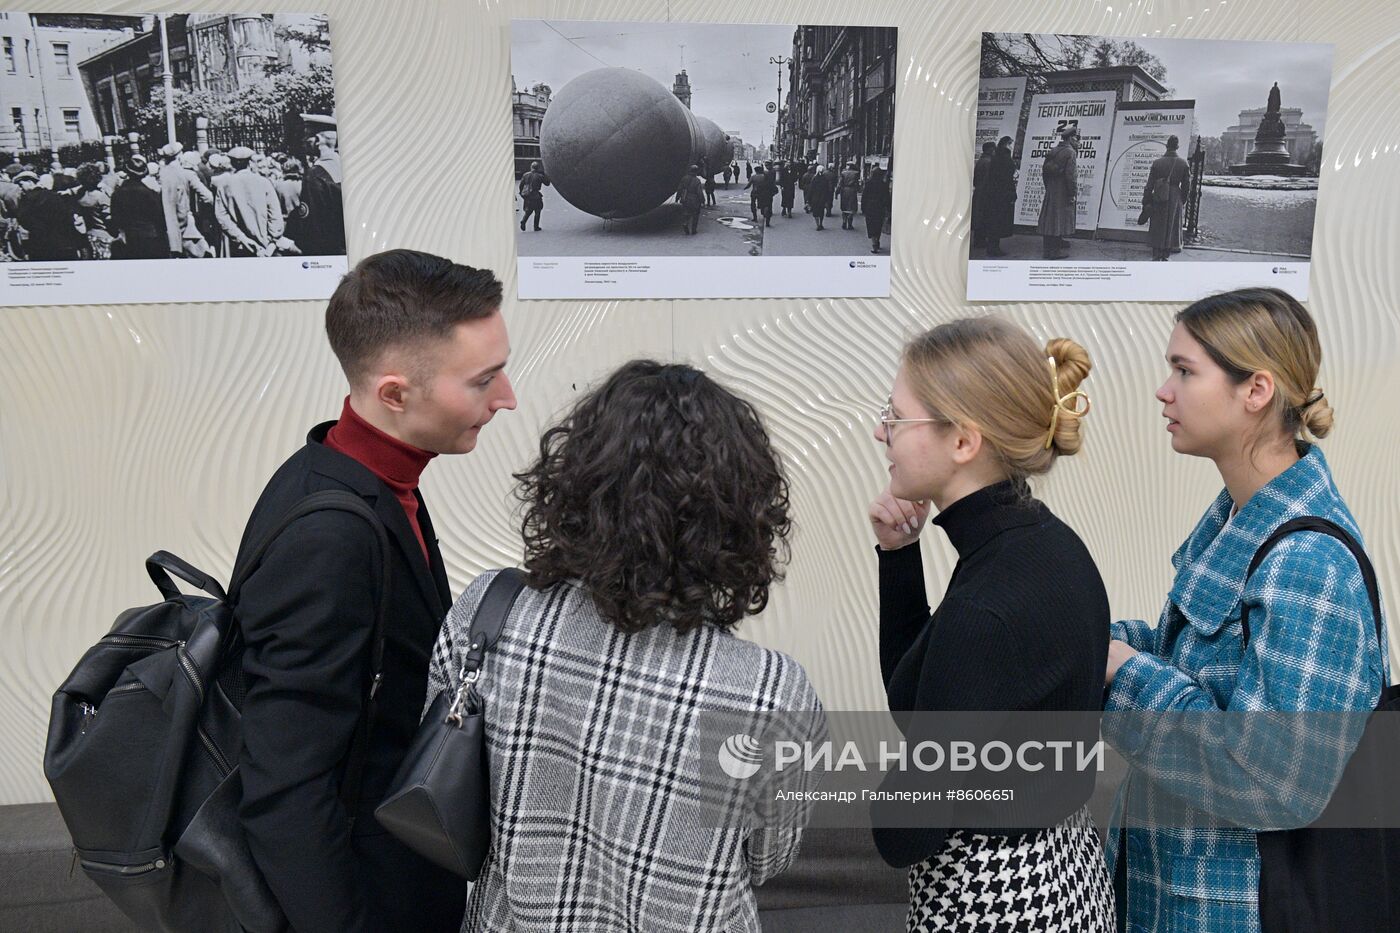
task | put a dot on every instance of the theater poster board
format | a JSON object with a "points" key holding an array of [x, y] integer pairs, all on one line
{"points": [[1140, 133], [998, 109], [1091, 113]]}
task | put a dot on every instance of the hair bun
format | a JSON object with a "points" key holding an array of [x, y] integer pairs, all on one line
{"points": [[1072, 364], [1315, 415]]}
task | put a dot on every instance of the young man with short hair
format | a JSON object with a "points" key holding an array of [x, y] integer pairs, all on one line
{"points": [[424, 347]]}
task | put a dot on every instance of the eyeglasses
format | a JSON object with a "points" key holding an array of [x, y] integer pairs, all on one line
{"points": [[887, 418]]}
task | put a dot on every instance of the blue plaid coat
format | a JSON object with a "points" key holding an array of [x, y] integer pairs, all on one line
{"points": [[1312, 646]]}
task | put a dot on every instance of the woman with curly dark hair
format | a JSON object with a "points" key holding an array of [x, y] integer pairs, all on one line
{"points": [[655, 519]]}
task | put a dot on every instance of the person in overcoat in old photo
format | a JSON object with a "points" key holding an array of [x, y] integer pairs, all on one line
{"points": [[875, 204], [819, 191], [1000, 212], [850, 195], [1164, 200], [1057, 220], [980, 172]]}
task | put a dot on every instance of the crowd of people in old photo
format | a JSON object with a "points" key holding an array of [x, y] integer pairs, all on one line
{"points": [[179, 204]]}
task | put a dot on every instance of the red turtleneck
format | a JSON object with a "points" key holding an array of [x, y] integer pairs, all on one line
{"points": [[397, 464]]}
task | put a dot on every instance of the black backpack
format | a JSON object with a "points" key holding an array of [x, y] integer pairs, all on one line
{"points": [[1336, 874], [144, 742]]}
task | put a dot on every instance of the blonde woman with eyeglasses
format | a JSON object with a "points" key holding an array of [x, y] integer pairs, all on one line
{"points": [[977, 409]]}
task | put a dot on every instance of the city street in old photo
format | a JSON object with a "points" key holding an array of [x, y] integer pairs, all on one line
{"points": [[706, 150]]}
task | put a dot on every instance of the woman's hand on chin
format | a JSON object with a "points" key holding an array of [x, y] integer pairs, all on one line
{"points": [[897, 522]]}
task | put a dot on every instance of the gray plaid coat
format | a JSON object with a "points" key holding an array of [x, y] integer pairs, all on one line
{"points": [[596, 746]]}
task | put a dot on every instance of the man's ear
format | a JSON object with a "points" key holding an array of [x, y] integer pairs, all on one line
{"points": [[391, 390]]}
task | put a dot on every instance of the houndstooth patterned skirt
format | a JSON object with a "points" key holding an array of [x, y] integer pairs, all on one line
{"points": [[1052, 880]]}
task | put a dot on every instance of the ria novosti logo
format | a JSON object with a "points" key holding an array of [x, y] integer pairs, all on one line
{"points": [[740, 756]]}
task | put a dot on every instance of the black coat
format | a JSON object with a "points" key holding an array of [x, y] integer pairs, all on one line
{"points": [[819, 189], [875, 200], [980, 170], [875, 203], [787, 181], [306, 615], [1000, 193], [139, 215], [323, 230], [49, 219]]}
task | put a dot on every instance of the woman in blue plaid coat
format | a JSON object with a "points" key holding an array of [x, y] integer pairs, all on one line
{"points": [[1242, 392]]}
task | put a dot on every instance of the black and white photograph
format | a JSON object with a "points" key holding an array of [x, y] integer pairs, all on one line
{"points": [[155, 157], [1131, 156], [683, 160]]}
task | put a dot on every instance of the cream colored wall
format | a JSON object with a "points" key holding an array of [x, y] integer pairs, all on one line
{"points": [[127, 429]]}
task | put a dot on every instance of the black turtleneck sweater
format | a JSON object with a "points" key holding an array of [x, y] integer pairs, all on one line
{"points": [[1023, 625]]}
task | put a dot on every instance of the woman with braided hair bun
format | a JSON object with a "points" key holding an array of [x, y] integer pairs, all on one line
{"points": [[978, 408], [1297, 635]]}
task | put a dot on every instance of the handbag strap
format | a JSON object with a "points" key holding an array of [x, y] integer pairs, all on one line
{"points": [[339, 500], [487, 622], [1321, 526]]}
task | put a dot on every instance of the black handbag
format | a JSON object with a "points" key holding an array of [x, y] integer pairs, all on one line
{"points": [[1316, 877], [439, 804]]}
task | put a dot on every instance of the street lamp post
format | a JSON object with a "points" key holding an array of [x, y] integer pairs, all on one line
{"points": [[168, 80], [780, 61]]}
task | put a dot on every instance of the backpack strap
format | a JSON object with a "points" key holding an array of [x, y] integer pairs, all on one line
{"points": [[161, 564], [338, 500], [1321, 526]]}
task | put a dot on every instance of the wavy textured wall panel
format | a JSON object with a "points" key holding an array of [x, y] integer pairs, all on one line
{"points": [[124, 430]]}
